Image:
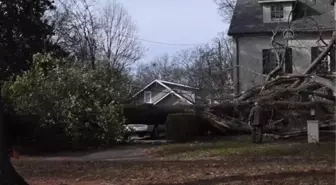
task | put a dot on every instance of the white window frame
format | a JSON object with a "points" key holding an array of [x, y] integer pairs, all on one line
{"points": [[148, 93], [277, 12], [326, 59]]}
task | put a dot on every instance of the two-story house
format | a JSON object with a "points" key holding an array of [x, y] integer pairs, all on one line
{"points": [[299, 25]]}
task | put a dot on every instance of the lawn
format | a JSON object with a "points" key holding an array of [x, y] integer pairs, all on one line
{"points": [[205, 163], [242, 147]]}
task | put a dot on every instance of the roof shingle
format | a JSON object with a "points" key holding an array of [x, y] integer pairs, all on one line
{"points": [[248, 18]]}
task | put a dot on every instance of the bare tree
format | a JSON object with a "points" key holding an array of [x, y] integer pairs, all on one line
{"points": [[282, 92], [92, 35], [119, 44], [77, 30], [225, 8], [207, 67], [162, 67]]}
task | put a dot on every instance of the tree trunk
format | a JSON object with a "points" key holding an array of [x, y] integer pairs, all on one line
{"points": [[93, 61], [8, 174]]}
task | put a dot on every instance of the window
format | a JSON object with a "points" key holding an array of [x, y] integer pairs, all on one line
{"points": [[148, 97], [270, 61], [327, 64], [277, 12]]}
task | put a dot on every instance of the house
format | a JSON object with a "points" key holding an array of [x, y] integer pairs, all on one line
{"points": [[160, 92], [298, 24]]}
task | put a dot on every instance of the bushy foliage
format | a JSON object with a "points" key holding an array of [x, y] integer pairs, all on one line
{"points": [[67, 105]]}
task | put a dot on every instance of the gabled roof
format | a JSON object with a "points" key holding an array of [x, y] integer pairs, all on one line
{"points": [[248, 18], [144, 88], [271, 1], [177, 84], [171, 91], [163, 97]]}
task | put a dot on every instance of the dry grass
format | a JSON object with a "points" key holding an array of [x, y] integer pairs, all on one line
{"points": [[224, 149]]}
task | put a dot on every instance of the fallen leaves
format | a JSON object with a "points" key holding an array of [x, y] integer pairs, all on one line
{"points": [[257, 167], [238, 170]]}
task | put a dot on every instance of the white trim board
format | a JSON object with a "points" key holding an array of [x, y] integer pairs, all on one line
{"points": [[177, 84], [150, 96]]}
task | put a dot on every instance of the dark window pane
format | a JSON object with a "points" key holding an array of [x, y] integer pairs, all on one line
{"points": [[277, 12]]}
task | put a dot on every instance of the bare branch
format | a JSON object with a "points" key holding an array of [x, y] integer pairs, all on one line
{"points": [[281, 62], [322, 55], [225, 8]]}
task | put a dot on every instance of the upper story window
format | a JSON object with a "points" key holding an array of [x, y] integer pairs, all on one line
{"points": [[277, 12], [148, 97]]}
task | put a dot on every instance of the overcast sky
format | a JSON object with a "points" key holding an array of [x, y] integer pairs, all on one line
{"points": [[175, 22]]}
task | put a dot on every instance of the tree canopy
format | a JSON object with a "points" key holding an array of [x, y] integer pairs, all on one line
{"points": [[24, 32]]}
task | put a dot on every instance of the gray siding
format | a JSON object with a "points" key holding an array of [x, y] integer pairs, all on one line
{"points": [[250, 57], [171, 100], [157, 93], [186, 92]]}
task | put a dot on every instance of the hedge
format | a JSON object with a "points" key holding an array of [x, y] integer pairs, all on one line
{"points": [[148, 114], [184, 126]]}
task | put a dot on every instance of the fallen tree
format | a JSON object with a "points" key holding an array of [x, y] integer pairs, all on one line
{"points": [[284, 96], [287, 95]]}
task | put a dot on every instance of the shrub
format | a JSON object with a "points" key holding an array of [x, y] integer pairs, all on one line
{"points": [[183, 126], [148, 114], [65, 106]]}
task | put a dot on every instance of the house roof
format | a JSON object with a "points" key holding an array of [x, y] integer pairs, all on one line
{"points": [[177, 84], [248, 18], [171, 91], [163, 97], [271, 1]]}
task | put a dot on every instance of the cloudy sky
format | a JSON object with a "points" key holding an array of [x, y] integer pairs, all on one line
{"points": [[179, 22]]}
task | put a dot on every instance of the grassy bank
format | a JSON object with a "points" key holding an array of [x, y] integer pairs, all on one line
{"points": [[221, 149]]}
